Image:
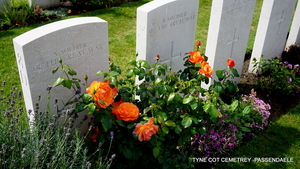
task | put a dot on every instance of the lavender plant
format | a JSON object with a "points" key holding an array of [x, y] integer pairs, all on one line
{"points": [[237, 122], [260, 110], [220, 139], [46, 142], [251, 113]]}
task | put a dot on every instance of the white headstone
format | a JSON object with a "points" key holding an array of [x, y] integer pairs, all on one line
{"points": [[166, 28], [81, 43], [272, 30], [229, 28], [44, 3], [294, 35]]}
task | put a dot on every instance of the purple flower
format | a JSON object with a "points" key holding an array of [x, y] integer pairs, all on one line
{"points": [[111, 134], [78, 91], [290, 66]]}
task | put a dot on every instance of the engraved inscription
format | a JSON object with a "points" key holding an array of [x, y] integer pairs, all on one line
{"points": [[173, 20], [69, 53]]}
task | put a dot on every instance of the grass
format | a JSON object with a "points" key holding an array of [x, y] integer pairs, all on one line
{"points": [[282, 134]]}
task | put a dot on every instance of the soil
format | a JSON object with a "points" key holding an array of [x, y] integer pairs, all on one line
{"points": [[280, 103]]}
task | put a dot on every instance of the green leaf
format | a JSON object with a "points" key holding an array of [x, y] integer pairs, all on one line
{"points": [[141, 76], [165, 129], [143, 96], [113, 80], [79, 107], [100, 72], [157, 81], [186, 122], [230, 87], [145, 65], [160, 120], [178, 129], [120, 122], [211, 109], [218, 88], [193, 131], [246, 110], [114, 73], [235, 72], [155, 72], [170, 123], [58, 81], [86, 98], [220, 74], [71, 72], [233, 105], [131, 125], [106, 122], [127, 153], [163, 71], [67, 83], [171, 97], [129, 73], [245, 129], [194, 105], [187, 99], [202, 130], [136, 71], [55, 70], [91, 108], [76, 84], [155, 151], [163, 115]]}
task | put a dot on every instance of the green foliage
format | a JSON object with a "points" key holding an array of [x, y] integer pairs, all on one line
{"points": [[225, 86], [60, 12], [277, 75], [16, 16]]}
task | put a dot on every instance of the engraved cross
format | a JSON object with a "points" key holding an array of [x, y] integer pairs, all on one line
{"points": [[173, 56], [232, 42], [279, 21]]}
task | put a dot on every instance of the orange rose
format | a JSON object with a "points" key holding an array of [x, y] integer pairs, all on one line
{"points": [[230, 63], [206, 69], [198, 44], [196, 57], [127, 112], [145, 131], [115, 105], [102, 93]]}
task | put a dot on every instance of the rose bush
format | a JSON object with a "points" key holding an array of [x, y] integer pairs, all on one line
{"points": [[153, 112]]}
